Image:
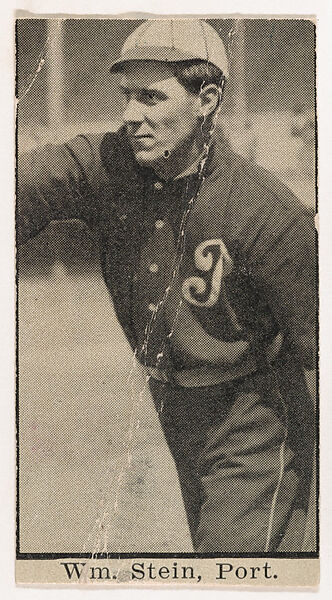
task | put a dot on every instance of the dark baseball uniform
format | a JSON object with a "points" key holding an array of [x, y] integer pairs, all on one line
{"points": [[222, 255]]}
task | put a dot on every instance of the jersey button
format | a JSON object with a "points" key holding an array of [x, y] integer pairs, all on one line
{"points": [[159, 224], [153, 268], [152, 307], [158, 185]]}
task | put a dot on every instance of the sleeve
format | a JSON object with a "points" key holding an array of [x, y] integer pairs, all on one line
{"points": [[283, 264], [53, 183]]}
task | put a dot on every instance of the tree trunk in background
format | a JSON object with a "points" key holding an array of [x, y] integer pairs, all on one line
{"points": [[55, 72], [238, 74]]}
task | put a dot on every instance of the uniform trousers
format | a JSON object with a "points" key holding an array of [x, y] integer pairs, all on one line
{"points": [[240, 478]]}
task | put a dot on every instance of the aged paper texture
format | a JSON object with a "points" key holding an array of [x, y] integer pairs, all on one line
{"points": [[167, 426]]}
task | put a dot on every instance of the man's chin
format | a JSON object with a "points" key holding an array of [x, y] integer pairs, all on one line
{"points": [[146, 158]]}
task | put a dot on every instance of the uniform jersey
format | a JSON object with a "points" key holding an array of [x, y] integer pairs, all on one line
{"points": [[196, 266]]}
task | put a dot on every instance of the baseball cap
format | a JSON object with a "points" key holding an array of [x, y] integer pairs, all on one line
{"points": [[174, 40]]}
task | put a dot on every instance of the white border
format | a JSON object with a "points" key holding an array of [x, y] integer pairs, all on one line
{"points": [[7, 451]]}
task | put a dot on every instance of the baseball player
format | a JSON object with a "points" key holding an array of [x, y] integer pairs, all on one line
{"points": [[210, 262]]}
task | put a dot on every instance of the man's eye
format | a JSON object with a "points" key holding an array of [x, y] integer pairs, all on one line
{"points": [[149, 97]]}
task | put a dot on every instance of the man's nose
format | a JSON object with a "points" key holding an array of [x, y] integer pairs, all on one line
{"points": [[133, 112]]}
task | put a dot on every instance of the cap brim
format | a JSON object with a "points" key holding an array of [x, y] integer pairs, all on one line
{"points": [[158, 53]]}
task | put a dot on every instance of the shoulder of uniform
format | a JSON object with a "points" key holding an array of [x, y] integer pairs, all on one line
{"points": [[99, 143], [240, 180], [243, 201], [116, 153], [108, 150], [264, 187]]}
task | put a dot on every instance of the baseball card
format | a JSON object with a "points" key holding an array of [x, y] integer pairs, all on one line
{"points": [[166, 235]]}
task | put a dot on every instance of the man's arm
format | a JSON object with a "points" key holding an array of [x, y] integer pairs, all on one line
{"points": [[53, 183], [283, 263]]}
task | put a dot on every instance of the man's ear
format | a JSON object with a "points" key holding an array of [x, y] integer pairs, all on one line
{"points": [[209, 99]]}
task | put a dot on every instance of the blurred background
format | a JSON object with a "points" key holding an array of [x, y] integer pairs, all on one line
{"points": [[95, 472]]}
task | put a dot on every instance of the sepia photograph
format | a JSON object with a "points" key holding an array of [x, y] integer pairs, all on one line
{"points": [[166, 194]]}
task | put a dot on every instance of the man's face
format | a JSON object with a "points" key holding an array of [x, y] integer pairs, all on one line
{"points": [[161, 116]]}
